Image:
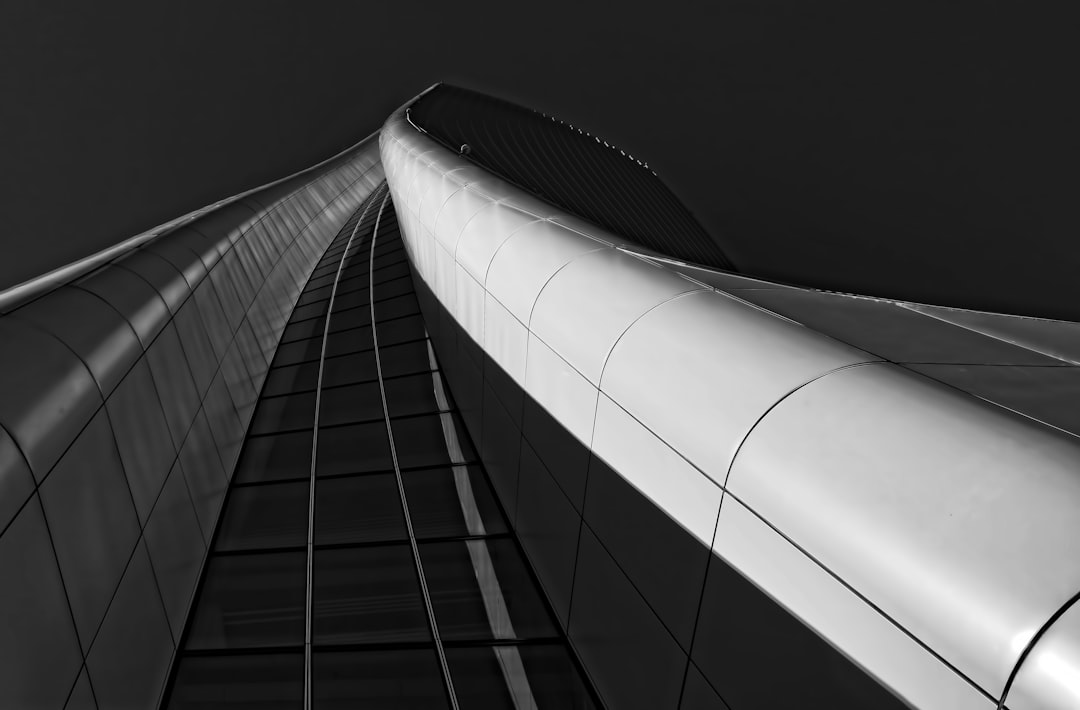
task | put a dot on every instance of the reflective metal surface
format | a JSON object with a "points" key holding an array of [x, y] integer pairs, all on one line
{"points": [[1047, 678], [966, 538], [126, 395], [924, 533]]}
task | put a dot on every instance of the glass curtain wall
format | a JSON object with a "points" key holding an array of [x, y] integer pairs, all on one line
{"points": [[362, 559]]}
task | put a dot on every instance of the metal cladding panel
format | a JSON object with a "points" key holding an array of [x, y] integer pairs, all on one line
{"points": [[586, 307], [482, 236], [1047, 394], [528, 259], [191, 315], [933, 532], [686, 494], [714, 366], [1054, 338], [505, 339], [829, 607], [91, 328], [1047, 678], [560, 389], [957, 520], [48, 394]]}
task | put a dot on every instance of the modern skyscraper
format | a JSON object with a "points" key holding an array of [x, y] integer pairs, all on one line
{"points": [[476, 415]]}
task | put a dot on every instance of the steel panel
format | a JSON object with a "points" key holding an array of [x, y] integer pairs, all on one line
{"points": [[1053, 338], [506, 340], [714, 366], [482, 236], [48, 394], [528, 259], [1047, 679], [91, 328], [469, 304], [133, 298], [163, 276], [16, 481], [656, 470], [587, 305], [560, 389], [142, 437], [955, 518], [1048, 394], [39, 646], [889, 330], [832, 610], [461, 207]]}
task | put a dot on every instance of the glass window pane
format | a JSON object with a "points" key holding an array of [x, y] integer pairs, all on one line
{"points": [[291, 378], [400, 678], [368, 595], [400, 330], [273, 515], [354, 448], [394, 287], [353, 317], [271, 458], [359, 509], [349, 341], [481, 589], [311, 328], [422, 441], [350, 369], [389, 273], [388, 306], [541, 676], [413, 394], [406, 359], [345, 300], [441, 498], [351, 404], [251, 600], [298, 351], [285, 413], [274, 681]]}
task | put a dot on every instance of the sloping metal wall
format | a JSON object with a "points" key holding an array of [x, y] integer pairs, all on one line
{"points": [[926, 535], [124, 398]]}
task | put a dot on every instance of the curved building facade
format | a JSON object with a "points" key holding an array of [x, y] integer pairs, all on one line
{"points": [[475, 415]]}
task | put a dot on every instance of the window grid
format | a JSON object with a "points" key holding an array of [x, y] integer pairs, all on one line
{"points": [[471, 538]]}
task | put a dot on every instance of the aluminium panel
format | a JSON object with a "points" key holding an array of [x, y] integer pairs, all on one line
{"points": [[1046, 679], [561, 390], [482, 236], [49, 394], [657, 471], [714, 365], [528, 259], [831, 609], [91, 328], [1053, 338], [956, 518], [588, 304]]}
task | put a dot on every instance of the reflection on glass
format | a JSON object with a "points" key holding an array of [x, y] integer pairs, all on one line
{"points": [[273, 515], [251, 600], [273, 681], [541, 676], [368, 595], [398, 678]]}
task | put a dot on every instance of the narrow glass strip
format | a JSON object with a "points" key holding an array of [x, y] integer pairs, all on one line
{"points": [[401, 484], [314, 453]]}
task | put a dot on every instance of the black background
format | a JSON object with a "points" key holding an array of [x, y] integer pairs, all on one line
{"points": [[921, 150]]}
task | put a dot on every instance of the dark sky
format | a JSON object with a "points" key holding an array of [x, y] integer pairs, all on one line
{"points": [[921, 150]]}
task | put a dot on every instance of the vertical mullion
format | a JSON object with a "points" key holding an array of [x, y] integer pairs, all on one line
{"points": [[397, 472], [314, 457]]}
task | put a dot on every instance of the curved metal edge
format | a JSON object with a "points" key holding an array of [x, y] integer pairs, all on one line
{"points": [[393, 134], [14, 296]]}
